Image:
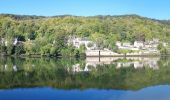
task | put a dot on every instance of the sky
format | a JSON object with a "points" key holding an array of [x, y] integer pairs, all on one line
{"points": [[158, 9]]}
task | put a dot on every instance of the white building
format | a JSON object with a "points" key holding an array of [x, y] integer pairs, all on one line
{"points": [[118, 44], [126, 44], [138, 44], [77, 42], [147, 47]]}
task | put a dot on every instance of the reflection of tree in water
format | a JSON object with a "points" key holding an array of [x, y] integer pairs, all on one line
{"points": [[57, 73]]}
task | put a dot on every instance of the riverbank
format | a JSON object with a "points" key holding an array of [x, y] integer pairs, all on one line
{"points": [[83, 55], [124, 55]]}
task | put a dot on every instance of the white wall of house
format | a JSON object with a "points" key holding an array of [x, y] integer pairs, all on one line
{"points": [[138, 44], [127, 44], [118, 44], [150, 46], [77, 42]]}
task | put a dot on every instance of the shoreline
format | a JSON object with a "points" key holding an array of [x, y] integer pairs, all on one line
{"points": [[52, 56], [130, 56]]}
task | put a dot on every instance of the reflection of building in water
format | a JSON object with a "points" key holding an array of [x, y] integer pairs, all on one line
{"points": [[15, 68], [78, 68], [127, 64], [5, 67], [151, 63], [136, 62]]}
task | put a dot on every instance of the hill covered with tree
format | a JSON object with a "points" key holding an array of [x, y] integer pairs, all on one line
{"points": [[48, 35]]}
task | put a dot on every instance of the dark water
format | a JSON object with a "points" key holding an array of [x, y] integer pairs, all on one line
{"points": [[132, 78]]}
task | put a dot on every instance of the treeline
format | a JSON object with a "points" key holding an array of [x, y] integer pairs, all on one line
{"points": [[21, 17], [48, 35]]}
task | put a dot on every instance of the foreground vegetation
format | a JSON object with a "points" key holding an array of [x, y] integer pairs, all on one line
{"points": [[48, 35]]}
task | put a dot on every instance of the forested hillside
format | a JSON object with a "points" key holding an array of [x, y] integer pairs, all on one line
{"points": [[38, 33]]}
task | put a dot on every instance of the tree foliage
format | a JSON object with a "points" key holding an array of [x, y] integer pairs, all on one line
{"points": [[48, 35]]}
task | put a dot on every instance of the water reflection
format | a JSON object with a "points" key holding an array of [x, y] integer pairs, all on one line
{"points": [[131, 73], [119, 62], [140, 63], [131, 78]]}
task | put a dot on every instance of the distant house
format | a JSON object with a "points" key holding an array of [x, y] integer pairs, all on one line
{"points": [[77, 42], [138, 44], [118, 44], [153, 50], [147, 45], [144, 47], [127, 44]]}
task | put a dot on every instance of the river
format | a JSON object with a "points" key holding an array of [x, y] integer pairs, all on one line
{"points": [[92, 78]]}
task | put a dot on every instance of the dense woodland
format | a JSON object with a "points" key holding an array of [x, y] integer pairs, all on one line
{"points": [[48, 35]]}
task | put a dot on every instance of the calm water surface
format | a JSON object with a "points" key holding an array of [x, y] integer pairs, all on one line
{"points": [[132, 78]]}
